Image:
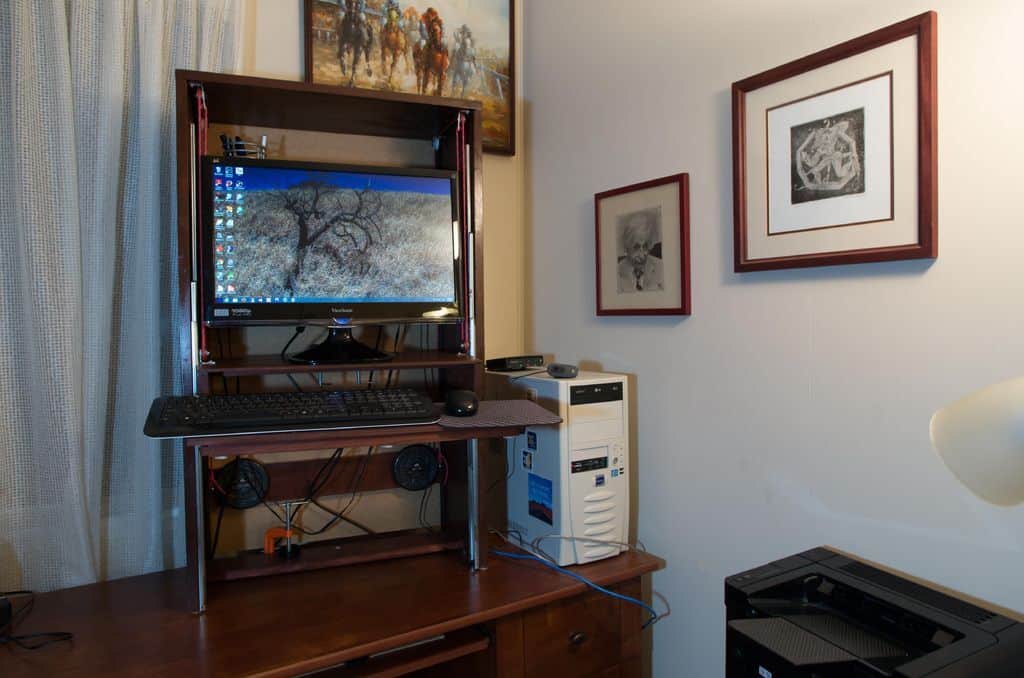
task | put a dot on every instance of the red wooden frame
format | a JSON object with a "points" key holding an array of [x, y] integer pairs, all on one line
{"points": [[683, 182], [924, 27]]}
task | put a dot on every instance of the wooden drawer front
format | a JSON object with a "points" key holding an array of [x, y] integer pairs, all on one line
{"points": [[613, 672], [573, 638]]}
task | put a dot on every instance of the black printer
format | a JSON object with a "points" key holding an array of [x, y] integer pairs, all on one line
{"points": [[821, 614]]}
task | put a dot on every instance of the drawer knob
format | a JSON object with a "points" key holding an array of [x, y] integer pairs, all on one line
{"points": [[577, 638]]}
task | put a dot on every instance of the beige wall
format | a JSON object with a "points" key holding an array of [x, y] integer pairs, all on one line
{"points": [[273, 48], [792, 408]]}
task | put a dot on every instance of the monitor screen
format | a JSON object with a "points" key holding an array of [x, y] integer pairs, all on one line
{"points": [[309, 243]]}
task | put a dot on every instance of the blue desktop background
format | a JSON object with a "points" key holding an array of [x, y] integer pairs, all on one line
{"points": [[272, 178]]}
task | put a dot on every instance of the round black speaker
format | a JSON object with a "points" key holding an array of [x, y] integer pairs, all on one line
{"points": [[415, 467], [241, 483]]}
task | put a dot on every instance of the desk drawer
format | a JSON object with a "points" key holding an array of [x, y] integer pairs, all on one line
{"points": [[573, 638]]}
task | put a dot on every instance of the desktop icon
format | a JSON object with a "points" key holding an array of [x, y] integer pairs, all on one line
{"points": [[220, 236], [220, 276], [230, 238], [231, 223], [239, 210], [220, 289], [229, 196], [231, 289], [220, 262], [228, 171], [230, 276], [218, 182], [228, 184], [230, 249], [239, 171], [219, 249], [229, 209], [217, 169], [239, 184]]}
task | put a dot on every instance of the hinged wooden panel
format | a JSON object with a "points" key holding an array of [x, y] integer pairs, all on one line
{"points": [[508, 648], [632, 618], [575, 638]]}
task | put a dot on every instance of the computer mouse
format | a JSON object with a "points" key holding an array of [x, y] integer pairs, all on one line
{"points": [[461, 403]]}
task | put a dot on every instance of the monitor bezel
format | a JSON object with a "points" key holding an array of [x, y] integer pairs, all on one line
{"points": [[318, 314]]}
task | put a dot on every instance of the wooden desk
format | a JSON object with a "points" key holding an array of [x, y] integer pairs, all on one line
{"points": [[513, 619]]}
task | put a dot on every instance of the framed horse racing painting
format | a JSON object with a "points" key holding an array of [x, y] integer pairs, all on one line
{"points": [[834, 154], [461, 49], [642, 235]]}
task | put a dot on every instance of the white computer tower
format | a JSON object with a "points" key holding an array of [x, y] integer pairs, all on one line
{"points": [[571, 480]]}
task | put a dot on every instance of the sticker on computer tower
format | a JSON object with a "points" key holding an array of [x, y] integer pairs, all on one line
{"points": [[540, 502], [527, 460], [531, 440]]}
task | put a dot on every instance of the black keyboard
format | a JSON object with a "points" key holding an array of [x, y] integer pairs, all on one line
{"points": [[192, 416]]}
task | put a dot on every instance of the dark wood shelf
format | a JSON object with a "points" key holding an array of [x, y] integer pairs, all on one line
{"points": [[335, 552], [273, 364], [291, 478], [287, 104], [262, 443]]}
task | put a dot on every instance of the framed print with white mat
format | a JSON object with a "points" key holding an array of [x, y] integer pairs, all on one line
{"points": [[834, 154], [642, 235]]}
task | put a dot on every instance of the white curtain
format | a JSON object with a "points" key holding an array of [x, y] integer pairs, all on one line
{"points": [[87, 275]]}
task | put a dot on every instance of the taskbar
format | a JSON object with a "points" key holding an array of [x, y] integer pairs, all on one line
{"points": [[332, 300]]}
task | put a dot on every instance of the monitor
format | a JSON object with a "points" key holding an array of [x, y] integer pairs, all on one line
{"points": [[304, 243]]}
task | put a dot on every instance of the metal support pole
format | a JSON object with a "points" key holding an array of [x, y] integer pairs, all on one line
{"points": [[199, 515], [477, 558]]}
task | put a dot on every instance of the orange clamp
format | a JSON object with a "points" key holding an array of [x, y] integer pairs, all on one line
{"points": [[272, 535]]}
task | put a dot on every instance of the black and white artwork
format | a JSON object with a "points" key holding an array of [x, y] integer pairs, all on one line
{"points": [[642, 247], [638, 244], [827, 157]]}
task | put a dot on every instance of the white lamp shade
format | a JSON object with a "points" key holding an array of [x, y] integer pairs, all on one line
{"points": [[981, 439]]}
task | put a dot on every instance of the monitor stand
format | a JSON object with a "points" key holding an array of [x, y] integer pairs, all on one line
{"points": [[339, 347]]}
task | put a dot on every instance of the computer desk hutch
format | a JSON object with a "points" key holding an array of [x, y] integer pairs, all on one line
{"points": [[501, 618]]}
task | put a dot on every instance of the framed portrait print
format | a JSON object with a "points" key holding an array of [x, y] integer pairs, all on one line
{"points": [[642, 235], [834, 154], [447, 48]]}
